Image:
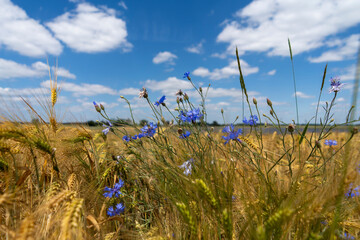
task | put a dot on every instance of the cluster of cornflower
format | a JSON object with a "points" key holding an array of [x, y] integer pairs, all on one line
{"points": [[231, 133], [115, 192], [190, 116], [353, 192], [331, 142], [252, 120], [146, 131], [187, 166]]}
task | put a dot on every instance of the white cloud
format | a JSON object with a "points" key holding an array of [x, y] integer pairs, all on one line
{"points": [[123, 5], [169, 86], [348, 73], [347, 49], [22, 91], [90, 29], [219, 55], [10, 69], [302, 95], [164, 57], [225, 72], [129, 91], [265, 25], [83, 89], [228, 92], [195, 48], [24, 35], [272, 72]]}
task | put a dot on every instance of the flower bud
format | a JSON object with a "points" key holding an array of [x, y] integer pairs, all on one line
{"points": [[291, 128], [200, 89], [271, 112], [177, 100], [354, 130], [222, 111], [317, 144], [97, 108], [186, 97], [255, 101], [102, 107], [180, 131], [269, 102]]}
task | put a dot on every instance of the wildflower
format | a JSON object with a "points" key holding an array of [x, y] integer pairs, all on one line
{"points": [[185, 135], [161, 101], [126, 138], [187, 75], [187, 166], [143, 93], [107, 129], [97, 108], [353, 192], [110, 192], [190, 116], [148, 130], [291, 127], [335, 84], [330, 142], [231, 133], [117, 211], [252, 120], [179, 93], [348, 236], [134, 137]]}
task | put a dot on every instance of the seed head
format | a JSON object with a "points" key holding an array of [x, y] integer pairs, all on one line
{"points": [[291, 128], [143, 93]]}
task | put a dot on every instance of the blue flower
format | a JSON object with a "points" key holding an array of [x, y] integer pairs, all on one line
{"points": [[187, 165], [119, 208], [190, 116], [148, 130], [335, 84], [161, 101], [252, 120], [330, 142], [97, 108], [185, 135], [353, 192], [231, 133], [134, 137], [107, 129], [110, 192], [126, 138], [187, 75], [348, 236]]}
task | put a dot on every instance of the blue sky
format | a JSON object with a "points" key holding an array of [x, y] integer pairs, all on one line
{"points": [[106, 49]]}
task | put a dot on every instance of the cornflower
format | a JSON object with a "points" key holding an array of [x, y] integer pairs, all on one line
{"points": [[185, 135], [335, 84], [190, 116], [187, 165], [252, 120], [231, 134], [126, 138], [143, 93], [148, 130], [353, 192], [330, 142], [110, 192], [187, 75], [107, 129], [119, 208], [179, 93], [161, 101], [97, 108]]}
